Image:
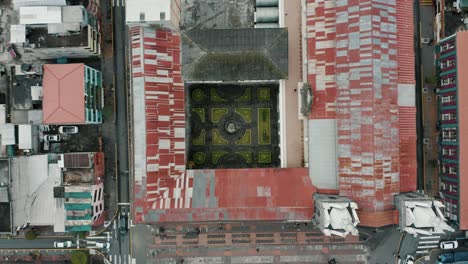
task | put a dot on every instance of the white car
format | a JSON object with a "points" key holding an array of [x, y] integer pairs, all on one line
{"points": [[68, 129], [102, 245], [52, 138], [64, 244], [448, 244], [409, 259]]}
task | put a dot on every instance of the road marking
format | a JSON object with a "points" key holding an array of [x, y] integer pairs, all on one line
{"points": [[430, 237], [129, 259], [423, 247], [133, 261], [429, 242], [110, 258]]}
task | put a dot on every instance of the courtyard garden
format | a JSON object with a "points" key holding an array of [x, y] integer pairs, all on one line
{"points": [[232, 125]]}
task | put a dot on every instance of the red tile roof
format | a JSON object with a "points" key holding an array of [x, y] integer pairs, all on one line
{"points": [[63, 88]]}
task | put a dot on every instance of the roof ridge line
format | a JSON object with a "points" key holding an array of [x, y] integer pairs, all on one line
{"points": [[72, 114], [267, 47], [72, 71], [204, 52], [273, 62]]}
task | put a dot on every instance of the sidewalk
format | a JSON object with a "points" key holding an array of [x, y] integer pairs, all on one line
{"points": [[34, 256], [107, 129]]}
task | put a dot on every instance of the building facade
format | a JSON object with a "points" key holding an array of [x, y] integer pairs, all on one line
{"points": [[72, 94], [452, 55]]}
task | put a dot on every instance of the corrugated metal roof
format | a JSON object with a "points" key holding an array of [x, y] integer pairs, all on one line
{"points": [[164, 190], [361, 71]]}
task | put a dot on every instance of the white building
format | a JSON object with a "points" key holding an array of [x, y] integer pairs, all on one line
{"points": [[420, 214], [336, 215], [166, 13]]}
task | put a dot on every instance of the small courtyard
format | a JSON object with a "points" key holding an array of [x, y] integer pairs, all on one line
{"points": [[232, 125]]}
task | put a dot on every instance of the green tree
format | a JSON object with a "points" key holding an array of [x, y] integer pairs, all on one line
{"points": [[31, 234], [79, 257], [81, 234]]}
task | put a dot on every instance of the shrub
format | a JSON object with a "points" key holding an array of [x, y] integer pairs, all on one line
{"points": [[79, 257]]}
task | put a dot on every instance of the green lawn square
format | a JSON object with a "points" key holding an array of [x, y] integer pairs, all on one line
{"points": [[217, 113], [264, 157], [213, 108], [263, 93]]}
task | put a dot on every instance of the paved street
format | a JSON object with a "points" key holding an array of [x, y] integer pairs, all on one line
{"points": [[121, 91], [429, 102], [237, 242], [23, 243], [120, 253]]}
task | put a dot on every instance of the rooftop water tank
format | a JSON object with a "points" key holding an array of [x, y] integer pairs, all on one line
{"points": [[266, 3], [267, 15]]}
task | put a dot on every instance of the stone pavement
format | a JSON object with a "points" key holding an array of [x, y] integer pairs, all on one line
{"points": [[250, 242]]}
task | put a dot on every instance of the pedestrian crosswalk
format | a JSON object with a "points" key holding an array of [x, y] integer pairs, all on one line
{"points": [[121, 259], [118, 2], [426, 243]]}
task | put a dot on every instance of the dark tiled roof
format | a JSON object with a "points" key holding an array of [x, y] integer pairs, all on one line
{"points": [[235, 54]]}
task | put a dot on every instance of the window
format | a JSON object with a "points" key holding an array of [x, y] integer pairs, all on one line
{"points": [[449, 134], [100, 207], [448, 116], [443, 169], [447, 81], [450, 62], [100, 191], [452, 170], [95, 196], [447, 99], [162, 16]]}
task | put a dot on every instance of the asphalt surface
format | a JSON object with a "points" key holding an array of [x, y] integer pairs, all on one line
{"points": [[23, 243], [121, 94], [121, 253], [419, 121]]}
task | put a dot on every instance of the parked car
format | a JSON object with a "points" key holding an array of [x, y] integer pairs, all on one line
{"points": [[448, 244], [63, 244], [52, 137], [68, 129], [123, 222], [102, 245], [409, 260]]}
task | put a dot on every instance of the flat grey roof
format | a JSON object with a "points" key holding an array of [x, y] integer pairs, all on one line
{"points": [[42, 39]]}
